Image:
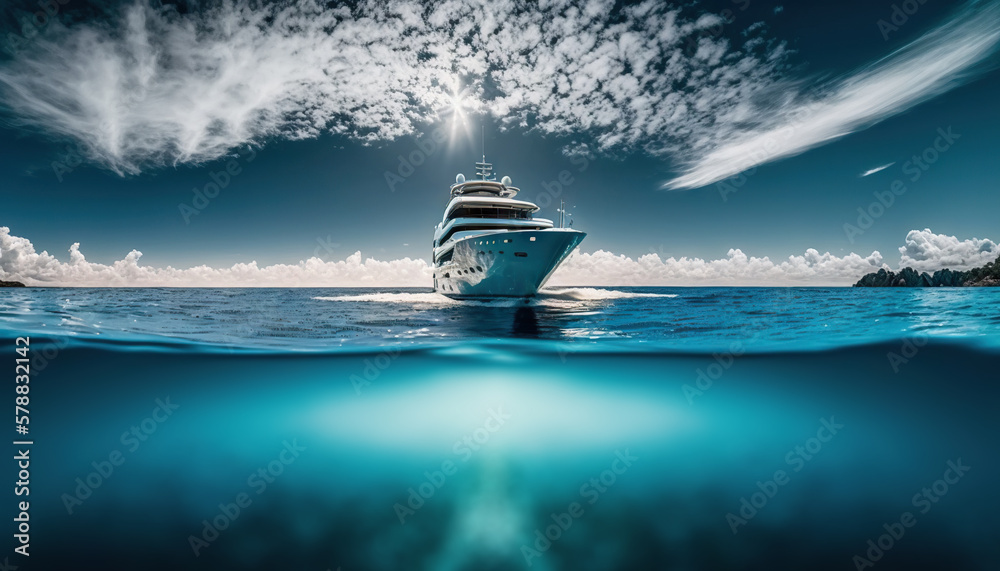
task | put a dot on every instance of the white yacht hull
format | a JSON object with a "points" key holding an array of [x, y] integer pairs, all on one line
{"points": [[486, 266]]}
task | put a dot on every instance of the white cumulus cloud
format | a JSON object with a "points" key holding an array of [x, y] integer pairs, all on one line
{"points": [[924, 250], [812, 268], [19, 261], [927, 251]]}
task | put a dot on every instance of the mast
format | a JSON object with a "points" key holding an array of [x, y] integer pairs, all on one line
{"points": [[483, 168]]}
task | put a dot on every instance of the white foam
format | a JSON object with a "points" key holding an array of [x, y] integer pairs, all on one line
{"points": [[545, 295], [589, 293], [379, 297]]}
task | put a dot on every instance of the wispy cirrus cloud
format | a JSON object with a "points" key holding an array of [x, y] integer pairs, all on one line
{"points": [[875, 170], [938, 61]]}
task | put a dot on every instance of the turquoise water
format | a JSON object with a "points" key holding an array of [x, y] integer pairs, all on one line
{"points": [[647, 428]]}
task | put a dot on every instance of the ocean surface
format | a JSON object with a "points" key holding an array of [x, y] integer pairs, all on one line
{"points": [[589, 428]]}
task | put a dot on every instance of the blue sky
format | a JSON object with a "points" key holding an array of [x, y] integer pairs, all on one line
{"points": [[312, 160]]}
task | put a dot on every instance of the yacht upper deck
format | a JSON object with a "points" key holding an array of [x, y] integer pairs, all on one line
{"points": [[483, 188]]}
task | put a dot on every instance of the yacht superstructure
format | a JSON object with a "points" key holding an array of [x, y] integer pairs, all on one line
{"points": [[488, 243]]}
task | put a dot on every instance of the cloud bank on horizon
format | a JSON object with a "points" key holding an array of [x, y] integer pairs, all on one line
{"points": [[923, 250]]}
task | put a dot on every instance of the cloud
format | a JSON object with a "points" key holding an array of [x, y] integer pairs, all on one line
{"points": [[875, 170], [927, 251], [145, 86], [812, 268], [19, 261], [798, 121], [924, 250]]}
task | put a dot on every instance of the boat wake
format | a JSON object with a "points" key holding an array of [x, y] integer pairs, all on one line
{"points": [[545, 295], [393, 297], [594, 294]]}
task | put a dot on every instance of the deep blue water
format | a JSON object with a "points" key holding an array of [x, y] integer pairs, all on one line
{"points": [[395, 429]]}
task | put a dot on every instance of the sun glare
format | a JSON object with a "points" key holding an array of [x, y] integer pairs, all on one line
{"points": [[459, 103]]}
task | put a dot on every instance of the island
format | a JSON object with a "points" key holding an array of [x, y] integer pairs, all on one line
{"points": [[11, 284], [986, 276]]}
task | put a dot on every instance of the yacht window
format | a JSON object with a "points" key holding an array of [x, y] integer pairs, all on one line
{"points": [[521, 254], [479, 268], [532, 238], [490, 212]]}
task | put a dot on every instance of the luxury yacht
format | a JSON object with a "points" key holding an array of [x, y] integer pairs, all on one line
{"points": [[488, 244]]}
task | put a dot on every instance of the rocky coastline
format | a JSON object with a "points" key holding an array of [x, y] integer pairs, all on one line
{"points": [[986, 276]]}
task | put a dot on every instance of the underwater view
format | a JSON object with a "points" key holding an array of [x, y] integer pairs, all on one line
{"points": [[589, 428]]}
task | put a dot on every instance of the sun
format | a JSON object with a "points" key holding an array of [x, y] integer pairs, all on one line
{"points": [[459, 102]]}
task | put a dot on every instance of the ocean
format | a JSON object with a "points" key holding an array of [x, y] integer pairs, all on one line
{"points": [[589, 428]]}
